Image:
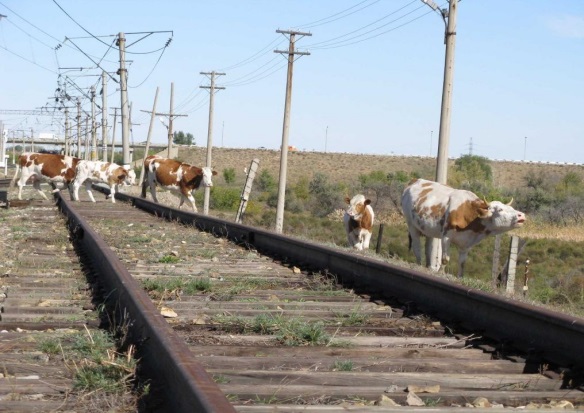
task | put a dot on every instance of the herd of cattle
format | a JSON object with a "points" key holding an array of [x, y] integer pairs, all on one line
{"points": [[431, 210]]}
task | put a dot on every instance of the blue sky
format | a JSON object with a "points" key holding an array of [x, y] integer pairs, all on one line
{"points": [[372, 83]]}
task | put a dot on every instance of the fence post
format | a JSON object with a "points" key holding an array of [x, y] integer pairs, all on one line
{"points": [[379, 238], [496, 255], [513, 252]]}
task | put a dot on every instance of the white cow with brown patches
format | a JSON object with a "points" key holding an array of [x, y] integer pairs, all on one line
{"points": [[58, 170], [112, 174], [358, 220], [178, 177], [455, 216]]}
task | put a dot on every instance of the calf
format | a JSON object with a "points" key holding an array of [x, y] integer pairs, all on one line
{"points": [[180, 178], [88, 172], [358, 220], [58, 170], [455, 216]]}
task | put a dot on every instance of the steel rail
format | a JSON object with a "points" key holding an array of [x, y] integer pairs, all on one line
{"points": [[164, 355], [556, 337]]}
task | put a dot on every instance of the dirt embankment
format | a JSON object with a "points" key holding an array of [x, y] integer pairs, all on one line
{"points": [[343, 167]]}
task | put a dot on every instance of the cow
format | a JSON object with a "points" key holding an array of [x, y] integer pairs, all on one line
{"points": [[58, 170], [455, 216], [88, 172], [358, 220], [180, 178]]}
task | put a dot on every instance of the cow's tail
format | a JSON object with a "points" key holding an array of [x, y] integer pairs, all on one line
{"points": [[13, 182], [409, 241], [146, 167]]}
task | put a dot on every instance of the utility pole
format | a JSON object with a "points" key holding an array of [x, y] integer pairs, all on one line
{"points": [[291, 52], [87, 132], [78, 128], [67, 137], [211, 88], [121, 43], [449, 18], [104, 115], [31, 140], [153, 115], [171, 117], [93, 131], [114, 134]]}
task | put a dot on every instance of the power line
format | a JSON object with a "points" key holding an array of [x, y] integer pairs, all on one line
{"points": [[29, 61], [330, 19]]}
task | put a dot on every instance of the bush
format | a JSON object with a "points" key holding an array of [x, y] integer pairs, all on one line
{"points": [[229, 175], [266, 182], [225, 198]]}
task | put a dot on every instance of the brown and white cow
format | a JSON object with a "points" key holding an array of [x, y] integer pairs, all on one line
{"points": [[58, 170], [178, 177], [358, 220], [455, 216], [112, 174]]}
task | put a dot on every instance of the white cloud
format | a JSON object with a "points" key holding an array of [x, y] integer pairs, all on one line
{"points": [[567, 26]]}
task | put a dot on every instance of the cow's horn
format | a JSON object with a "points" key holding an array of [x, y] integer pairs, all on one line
{"points": [[510, 202]]}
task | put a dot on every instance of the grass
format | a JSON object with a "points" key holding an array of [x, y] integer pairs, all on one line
{"points": [[342, 365], [288, 331], [188, 286], [169, 259]]}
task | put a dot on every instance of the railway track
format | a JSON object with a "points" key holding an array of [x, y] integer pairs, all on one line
{"points": [[232, 318]]}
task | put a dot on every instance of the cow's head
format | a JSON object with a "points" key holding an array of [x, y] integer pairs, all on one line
{"points": [[504, 216], [130, 178], [207, 176], [356, 205]]}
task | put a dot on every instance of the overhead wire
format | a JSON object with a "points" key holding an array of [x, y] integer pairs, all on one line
{"points": [[327, 21]]}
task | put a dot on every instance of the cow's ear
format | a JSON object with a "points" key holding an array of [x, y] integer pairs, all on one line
{"points": [[482, 208], [214, 173], [347, 200], [367, 202]]}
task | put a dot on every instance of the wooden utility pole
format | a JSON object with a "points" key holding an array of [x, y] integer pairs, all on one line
{"points": [[171, 117], [211, 88], [152, 117], [121, 43], [291, 52], [104, 116]]}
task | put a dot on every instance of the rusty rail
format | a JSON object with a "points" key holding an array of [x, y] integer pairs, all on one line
{"points": [[189, 387], [556, 337]]}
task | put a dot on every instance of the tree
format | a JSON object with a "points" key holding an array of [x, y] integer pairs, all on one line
{"points": [[180, 138], [473, 173]]}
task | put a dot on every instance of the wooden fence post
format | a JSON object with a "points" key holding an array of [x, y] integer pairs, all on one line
{"points": [[379, 238]]}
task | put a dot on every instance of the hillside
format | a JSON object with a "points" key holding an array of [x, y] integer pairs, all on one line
{"points": [[342, 167]]}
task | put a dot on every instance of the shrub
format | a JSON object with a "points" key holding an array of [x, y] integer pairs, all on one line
{"points": [[229, 175], [225, 198], [266, 182]]}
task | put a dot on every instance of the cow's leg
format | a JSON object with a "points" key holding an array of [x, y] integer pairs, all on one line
{"points": [[76, 184], [462, 255], [445, 250], [416, 246], [144, 185], [37, 185], [191, 199], [113, 188], [366, 238], [88, 189]]}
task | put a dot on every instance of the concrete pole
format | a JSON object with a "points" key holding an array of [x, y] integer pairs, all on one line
{"points": [[285, 133], [124, 101], [78, 129], [445, 114], [93, 128], [31, 139], [87, 134], [114, 134], [447, 86], [104, 116], [152, 117], [170, 119], [67, 137]]}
